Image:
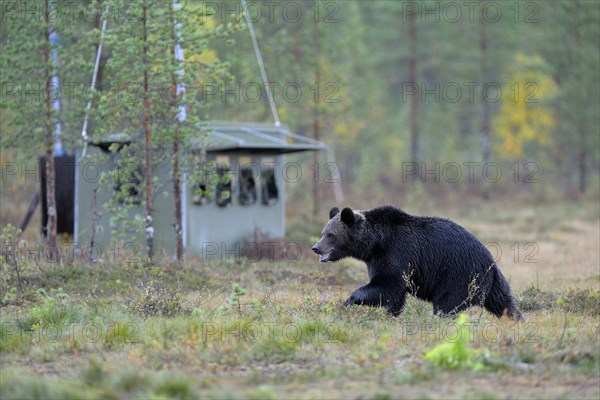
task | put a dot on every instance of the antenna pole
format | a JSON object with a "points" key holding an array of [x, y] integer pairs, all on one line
{"points": [[84, 135], [261, 64]]}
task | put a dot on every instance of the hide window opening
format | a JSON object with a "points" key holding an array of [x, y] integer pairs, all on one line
{"points": [[200, 194], [247, 186], [128, 180], [202, 188], [270, 192], [223, 190]]}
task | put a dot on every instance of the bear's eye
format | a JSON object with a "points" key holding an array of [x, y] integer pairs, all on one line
{"points": [[330, 235]]}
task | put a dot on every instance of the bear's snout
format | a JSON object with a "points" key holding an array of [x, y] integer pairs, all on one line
{"points": [[324, 256], [316, 249]]}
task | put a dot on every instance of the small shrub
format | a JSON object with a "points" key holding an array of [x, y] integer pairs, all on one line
{"points": [[10, 337], [527, 354], [120, 333], [582, 301], [234, 298], [153, 300], [235, 301], [275, 349], [94, 374], [535, 299], [174, 387], [457, 354], [381, 396], [321, 332], [21, 385], [10, 295], [263, 392], [131, 380], [53, 309]]}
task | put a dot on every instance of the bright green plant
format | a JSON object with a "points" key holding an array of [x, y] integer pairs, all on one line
{"points": [[456, 354], [234, 298]]}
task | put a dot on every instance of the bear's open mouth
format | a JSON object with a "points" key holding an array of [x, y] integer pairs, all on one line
{"points": [[324, 257]]}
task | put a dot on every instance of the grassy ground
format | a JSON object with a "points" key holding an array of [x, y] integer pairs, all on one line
{"points": [[275, 330]]}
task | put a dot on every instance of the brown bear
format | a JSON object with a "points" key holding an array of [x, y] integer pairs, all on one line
{"points": [[431, 258]]}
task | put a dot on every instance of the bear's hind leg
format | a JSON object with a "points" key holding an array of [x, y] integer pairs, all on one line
{"points": [[500, 300], [450, 304]]}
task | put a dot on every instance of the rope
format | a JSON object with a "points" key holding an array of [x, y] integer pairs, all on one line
{"points": [[93, 85], [261, 64]]}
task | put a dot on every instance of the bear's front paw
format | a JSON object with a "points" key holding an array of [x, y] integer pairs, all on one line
{"points": [[353, 299], [347, 302]]}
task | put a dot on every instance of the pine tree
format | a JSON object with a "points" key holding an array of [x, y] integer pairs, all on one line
{"points": [[29, 92], [571, 47], [143, 50]]}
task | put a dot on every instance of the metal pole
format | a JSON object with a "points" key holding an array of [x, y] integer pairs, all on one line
{"points": [[58, 148]]}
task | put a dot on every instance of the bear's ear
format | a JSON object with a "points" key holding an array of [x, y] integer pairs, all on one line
{"points": [[347, 216], [333, 212]]}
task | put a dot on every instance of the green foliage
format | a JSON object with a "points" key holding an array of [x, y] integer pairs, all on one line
{"points": [[381, 396], [99, 380], [375, 352], [10, 243], [235, 301], [236, 293], [365, 125], [53, 309], [291, 345], [571, 48], [263, 392], [10, 295], [301, 343], [456, 354], [174, 388], [276, 349], [135, 59], [11, 340], [8, 235], [320, 331], [24, 67]]}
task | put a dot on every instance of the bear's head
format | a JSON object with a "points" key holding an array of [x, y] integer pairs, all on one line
{"points": [[339, 236]]}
